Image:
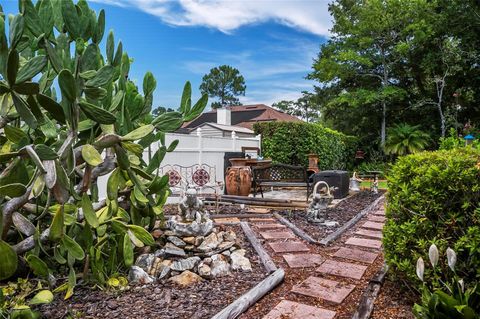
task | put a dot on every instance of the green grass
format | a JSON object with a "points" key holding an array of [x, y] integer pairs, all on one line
{"points": [[381, 184]]}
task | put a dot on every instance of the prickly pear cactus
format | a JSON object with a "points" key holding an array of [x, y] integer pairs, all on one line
{"points": [[68, 115]]}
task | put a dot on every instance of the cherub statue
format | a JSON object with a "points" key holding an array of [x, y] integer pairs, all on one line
{"points": [[191, 206], [317, 209]]}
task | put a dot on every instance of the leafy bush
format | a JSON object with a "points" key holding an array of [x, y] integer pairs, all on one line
{"points": [[454, 141], [291, 142], [434, 197], [55, 145]]}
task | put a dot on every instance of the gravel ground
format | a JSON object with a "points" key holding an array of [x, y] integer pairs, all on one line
{"points": [[161, 300], [393, 302], [341, 213]]}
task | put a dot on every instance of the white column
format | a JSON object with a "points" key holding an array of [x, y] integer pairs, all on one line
{"points": [[200, 146], [234, 141]]}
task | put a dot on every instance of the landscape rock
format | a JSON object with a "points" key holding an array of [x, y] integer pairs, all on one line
{"points": [[137, 275], [163, 271], [176, 241], [185, 264], [145, 262], [239, 261], [189, 240], [172, 250], [210, 243], [204, 270], [186, 278], [220, 266]]}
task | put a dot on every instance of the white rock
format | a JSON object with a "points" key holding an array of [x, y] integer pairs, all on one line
{"points": [[210, 243], [185, 264], [239, 261], [138, 275], [204, 270], [220, 266]]}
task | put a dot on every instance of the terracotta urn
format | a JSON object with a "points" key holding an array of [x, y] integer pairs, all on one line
{"points": [[238, 177]]}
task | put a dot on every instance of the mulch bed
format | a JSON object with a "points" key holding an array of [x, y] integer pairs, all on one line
{"points": [[162, 300], [394, 301], [341, 213], [294, 276]]}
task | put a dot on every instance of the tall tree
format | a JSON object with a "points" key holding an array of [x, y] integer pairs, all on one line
{"points": [[306, 107], [224, 83], [363, 52]]}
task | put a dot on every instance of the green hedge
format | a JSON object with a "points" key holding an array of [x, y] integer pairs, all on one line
{"points": [[434, 198], [291, 142]]}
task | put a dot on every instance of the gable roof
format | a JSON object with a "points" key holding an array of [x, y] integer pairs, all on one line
{"points": [[228, 128], [245, 116]]}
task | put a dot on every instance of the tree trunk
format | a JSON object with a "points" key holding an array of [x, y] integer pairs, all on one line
{"points": [[383, 133], [440, 87]]}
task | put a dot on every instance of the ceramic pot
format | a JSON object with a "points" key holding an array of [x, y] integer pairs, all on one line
{"points": [[238, 179]]}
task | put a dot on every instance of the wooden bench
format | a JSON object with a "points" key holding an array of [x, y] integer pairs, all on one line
{"points": [[201, 177], [280, 175]]}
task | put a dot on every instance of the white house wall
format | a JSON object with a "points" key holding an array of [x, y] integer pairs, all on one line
{"points": [[196, 149]]}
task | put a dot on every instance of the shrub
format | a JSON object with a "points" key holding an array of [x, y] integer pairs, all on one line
{"points": [[68, 115], [291, 142], [434, 198]]}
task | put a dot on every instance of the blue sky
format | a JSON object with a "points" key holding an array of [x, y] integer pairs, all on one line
{"points": [[271, 42]]}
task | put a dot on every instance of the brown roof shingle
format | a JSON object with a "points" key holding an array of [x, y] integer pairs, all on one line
{"points": [[245, 116]]}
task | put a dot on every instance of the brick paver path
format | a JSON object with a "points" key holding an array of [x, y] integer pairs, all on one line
{"points": [[331, 276]]}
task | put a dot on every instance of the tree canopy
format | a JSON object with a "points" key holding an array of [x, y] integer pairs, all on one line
{"points": [[224, 83], [394, 61]]}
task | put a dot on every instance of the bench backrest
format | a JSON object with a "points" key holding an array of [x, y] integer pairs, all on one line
{"points": [[280, 173]]}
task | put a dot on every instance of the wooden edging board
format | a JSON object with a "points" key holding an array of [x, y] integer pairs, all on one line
{"points": [[262, 253], [300, 233], [333, 236], [365, 307], [240, 305]]}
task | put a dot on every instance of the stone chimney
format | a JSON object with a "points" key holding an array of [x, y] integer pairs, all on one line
{"points": [[224, 116]]}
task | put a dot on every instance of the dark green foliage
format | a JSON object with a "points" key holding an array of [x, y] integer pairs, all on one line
{"points": [[291, 142], [434, 197], [225, 83], [417, 60], [55, 144]]}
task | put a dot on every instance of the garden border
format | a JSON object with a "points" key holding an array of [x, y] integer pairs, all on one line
{"points": [[274, 278], [367, 303], [333, 236], [299, 232]]}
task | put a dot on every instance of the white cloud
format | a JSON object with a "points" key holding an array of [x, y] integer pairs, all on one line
{"points": [[227, 15]]}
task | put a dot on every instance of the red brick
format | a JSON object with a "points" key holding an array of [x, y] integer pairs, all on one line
{"points": [[293, 310], [372, 225], [376, 218], [325, 289], [356, 254], [277, 234], [362, 242], [342, 269], [270, 226], [303, 260], [369, 233], [289, 247]]}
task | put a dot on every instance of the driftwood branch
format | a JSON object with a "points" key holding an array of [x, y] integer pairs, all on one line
{"points": [[300, 233], [367, 302], [11, 206], [262, 253], [29, 242], [333, 236], [240, 305]]}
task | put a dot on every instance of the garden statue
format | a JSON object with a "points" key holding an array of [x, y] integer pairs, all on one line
{"points": [[355, 182], [317, 209], [192, 220], [191, 206]]}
